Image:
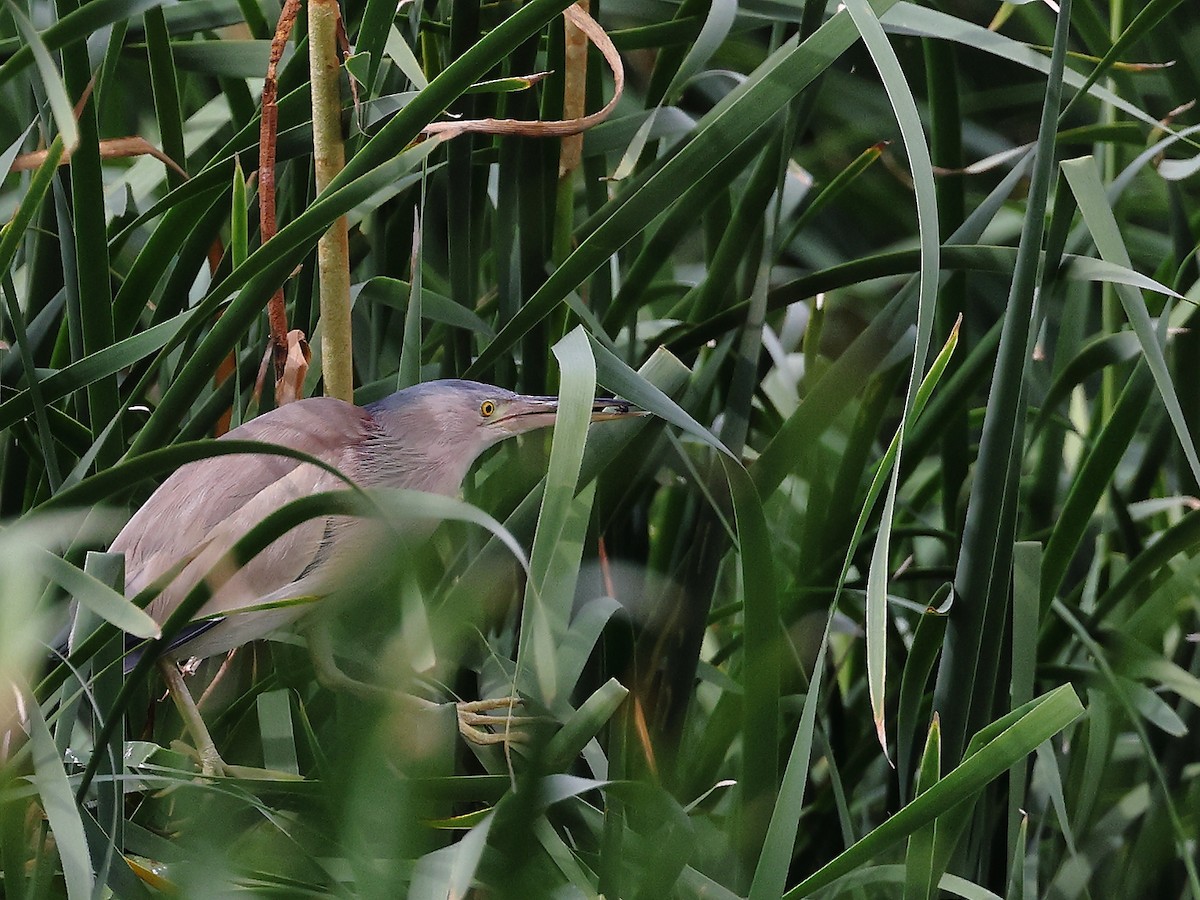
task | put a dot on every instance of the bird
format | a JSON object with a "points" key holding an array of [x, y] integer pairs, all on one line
{"points": [[422, 438]]}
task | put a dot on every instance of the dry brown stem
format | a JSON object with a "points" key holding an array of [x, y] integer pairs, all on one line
{"points": [[267, 134], [579, 18], [110, 148], [574, 91]]}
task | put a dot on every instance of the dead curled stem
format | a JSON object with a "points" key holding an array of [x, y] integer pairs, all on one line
{"points": [[585, 23], [110, 148]]}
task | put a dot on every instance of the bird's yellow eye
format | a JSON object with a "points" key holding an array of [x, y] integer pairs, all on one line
{"points": [[487, 408]]}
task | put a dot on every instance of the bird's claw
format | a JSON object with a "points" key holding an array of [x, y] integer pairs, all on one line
{"points": [[211, 764], [475, 715]]}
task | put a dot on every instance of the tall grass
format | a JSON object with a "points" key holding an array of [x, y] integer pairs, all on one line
{"points": [[895, 592]]}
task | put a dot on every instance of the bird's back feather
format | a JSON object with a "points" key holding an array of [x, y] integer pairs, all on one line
{"points": [[206, 506]]}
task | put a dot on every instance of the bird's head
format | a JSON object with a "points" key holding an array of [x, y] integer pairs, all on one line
{"points": [[460, 419]]}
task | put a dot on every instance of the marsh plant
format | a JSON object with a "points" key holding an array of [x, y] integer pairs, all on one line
{"points": [[894, 593]]}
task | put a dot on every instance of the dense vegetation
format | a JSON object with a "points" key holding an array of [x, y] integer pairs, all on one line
{"points": [[895, 594]]}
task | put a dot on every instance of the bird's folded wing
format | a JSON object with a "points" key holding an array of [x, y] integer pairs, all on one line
{"points": [[289, 557], [195, 505]]}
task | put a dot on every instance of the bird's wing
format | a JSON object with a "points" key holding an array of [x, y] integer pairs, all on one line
{"points": [[204, 507]]}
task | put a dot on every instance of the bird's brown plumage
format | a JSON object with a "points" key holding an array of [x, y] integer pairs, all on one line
{"points": [[207, 505], [422, 438]]}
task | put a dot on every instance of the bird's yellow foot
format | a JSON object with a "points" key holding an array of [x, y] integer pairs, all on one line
{"points": [[211, 764], [477, 715]]}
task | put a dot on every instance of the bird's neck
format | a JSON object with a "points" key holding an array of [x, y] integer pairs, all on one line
{"points": [[404, 458]]}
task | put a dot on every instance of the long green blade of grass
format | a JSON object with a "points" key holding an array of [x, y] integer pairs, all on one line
{"points": [[1012, 737], [966, 677]]}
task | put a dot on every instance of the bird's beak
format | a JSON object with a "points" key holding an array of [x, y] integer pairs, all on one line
{"points": [[605, 408], [528, 413]]}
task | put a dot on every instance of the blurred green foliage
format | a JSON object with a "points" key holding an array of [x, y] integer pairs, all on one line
{"points": [[911, 299]]}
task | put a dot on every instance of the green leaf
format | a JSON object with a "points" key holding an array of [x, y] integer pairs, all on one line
{"points": [[77, 24], [967, 674], [1093, 479], [730, 123], [275, 725], [1085, 183], [95, 595], [1000, 745], [919, 20], [876, 638], [717, 23], [56, 92], [775, 860], [554, 559], [104, 362], [50, 779], [585, 723], [921, 875]]}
